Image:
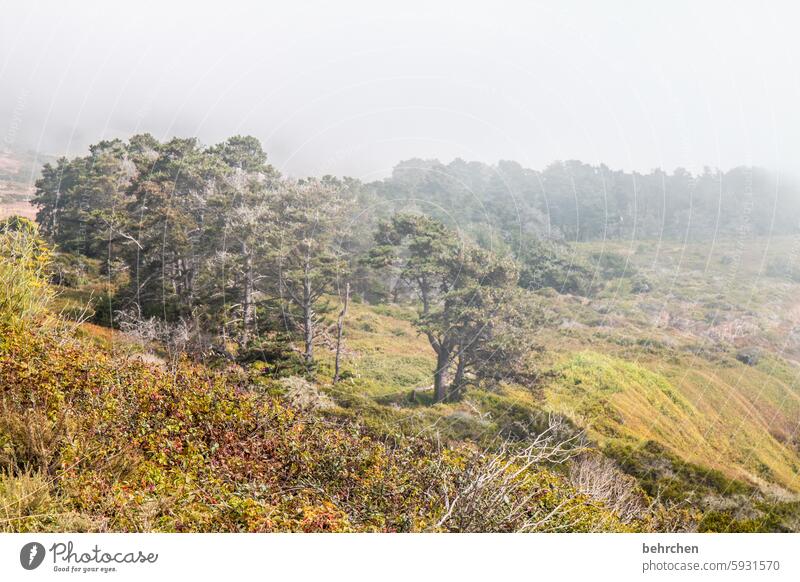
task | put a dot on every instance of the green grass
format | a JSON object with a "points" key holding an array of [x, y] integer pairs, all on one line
{"points": [[723, 419]]}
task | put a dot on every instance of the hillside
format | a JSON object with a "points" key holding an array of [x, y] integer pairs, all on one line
{"points": [[636, 367], [701, 372], [673, 406], [652, 380], [96, 437], [692, 389]]}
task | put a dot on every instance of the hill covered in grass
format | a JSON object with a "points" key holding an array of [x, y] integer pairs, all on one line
{"points": [[102, 431], [691, 386], [105, 430], [96, 437], [94, 441], [654, 380]]}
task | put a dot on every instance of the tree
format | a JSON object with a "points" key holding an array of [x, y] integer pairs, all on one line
{"points": [[168, 209], [490, 320], [82, 201], [467, 298], [55, 180], [238, 224], [307, 252]]}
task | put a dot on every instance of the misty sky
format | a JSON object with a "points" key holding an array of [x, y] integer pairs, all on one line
{"points": [[353, 87]]}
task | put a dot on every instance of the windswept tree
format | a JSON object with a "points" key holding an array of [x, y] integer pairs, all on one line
{"points": [[468, 300], [490, 320]]}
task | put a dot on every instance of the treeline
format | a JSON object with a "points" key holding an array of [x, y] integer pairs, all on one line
{"points": [[580, 202]]}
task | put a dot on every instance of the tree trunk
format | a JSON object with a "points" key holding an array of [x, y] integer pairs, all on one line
{"points": [[248, 307], [396, 291], [188, 283], [440, 377], [55, 214], [339, 330], [308, 321], [458, 380]]}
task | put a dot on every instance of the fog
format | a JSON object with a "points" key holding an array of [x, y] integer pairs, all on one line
{"points": [[353, 87]]}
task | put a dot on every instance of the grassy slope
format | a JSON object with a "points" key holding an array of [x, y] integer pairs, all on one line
{"points": [[707, 416], [633, 368], [653, 376]]}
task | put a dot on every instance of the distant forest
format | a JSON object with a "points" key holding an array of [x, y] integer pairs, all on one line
{"points": [[579, 202]]}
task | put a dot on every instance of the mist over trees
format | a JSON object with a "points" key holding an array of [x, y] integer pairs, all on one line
{"points": [[481, 304], [575, 201]]}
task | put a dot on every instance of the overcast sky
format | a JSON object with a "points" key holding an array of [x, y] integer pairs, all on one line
{"points": [[353, 87]]}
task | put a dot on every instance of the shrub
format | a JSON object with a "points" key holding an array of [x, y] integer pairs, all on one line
{"points": [[30, 439], [547, 265], [28, 503], [22, 498], [497, 491], [612, 265], [304, 395], [782, 268], [70, 270], [24, 258], [640, 284], [599, 478], [749, 356]]}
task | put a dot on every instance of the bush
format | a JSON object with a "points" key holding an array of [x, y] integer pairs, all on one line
{"points": [[304, 395], [599, 478], [24, 259], [28, 504], [30, 439], [546, 265], [782, 268], [749, 356], [71, 270], [612, 265], [640, 284], [22, 498]]}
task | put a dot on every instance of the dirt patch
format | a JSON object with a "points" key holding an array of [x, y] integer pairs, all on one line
{"points": [[20, 208], [9, 164]]}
